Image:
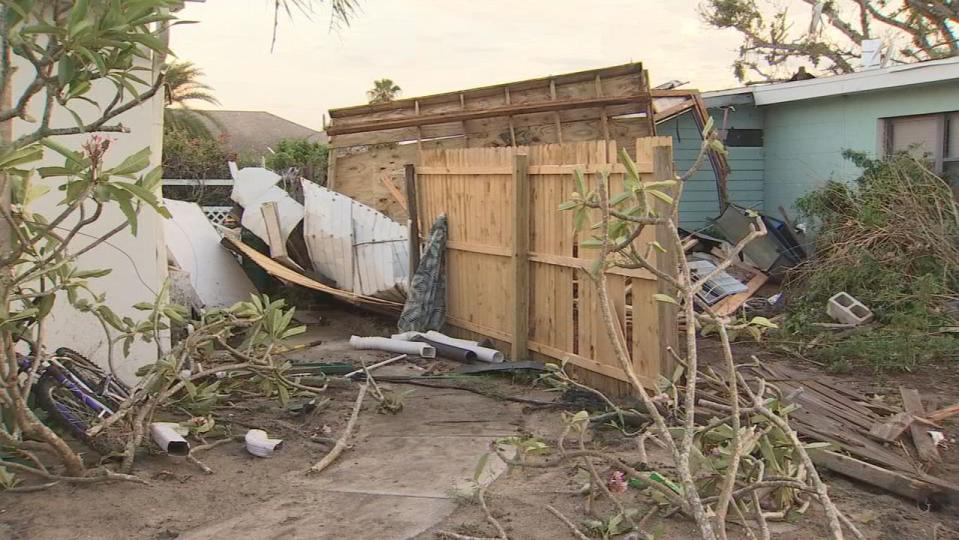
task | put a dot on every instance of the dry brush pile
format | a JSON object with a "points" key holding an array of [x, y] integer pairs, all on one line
{"points": [[890, 239]]}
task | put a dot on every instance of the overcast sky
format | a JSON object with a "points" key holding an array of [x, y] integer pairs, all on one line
{"points": [[430, 46]]}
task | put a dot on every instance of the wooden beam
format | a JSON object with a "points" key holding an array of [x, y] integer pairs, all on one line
{"points": [[274, 234], [665, 262], [666, 114], [512, 128], [520, 347], [466, 136], [395, 192], [925, 447], [461, 116], [605, 117], [895, 482], [942, 414], [414, 233], [552, 97], [492, 90]]}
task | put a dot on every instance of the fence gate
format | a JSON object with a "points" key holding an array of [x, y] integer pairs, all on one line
{"points": [[515, 269]]}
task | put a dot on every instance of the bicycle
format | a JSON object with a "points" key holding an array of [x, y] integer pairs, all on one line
{"points": [[76, 394]]}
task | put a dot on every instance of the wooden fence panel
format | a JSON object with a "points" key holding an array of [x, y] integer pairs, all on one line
{"points": [[477, 189]]}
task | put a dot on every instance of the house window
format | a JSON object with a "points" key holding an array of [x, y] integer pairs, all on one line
{"points": [[934, 136]]}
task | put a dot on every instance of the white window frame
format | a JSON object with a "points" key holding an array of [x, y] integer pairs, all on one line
{"points": [[940, 159]]}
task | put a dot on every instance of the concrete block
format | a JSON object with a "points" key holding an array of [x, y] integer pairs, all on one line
{"points": [[844, 308]]}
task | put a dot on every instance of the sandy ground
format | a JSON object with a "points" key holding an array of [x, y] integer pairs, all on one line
{"points": [[405, 475]]}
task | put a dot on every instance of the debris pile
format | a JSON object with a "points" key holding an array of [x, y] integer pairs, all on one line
{"points": [[891, 242]]}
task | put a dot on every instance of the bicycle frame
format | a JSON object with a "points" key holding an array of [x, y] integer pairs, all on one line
{"points": [[75, 386]]}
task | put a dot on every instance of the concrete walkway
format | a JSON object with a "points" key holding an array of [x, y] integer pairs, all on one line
{"points": [[400, 479]]}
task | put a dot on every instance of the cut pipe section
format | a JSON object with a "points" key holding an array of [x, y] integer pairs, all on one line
{"points": [[260, 444], [167, 438], [485, 354], [446, 350], [393, 345]]}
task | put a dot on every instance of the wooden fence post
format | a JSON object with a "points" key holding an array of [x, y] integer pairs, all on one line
{"points": [[411, 207], [666, 262], [520, 254]]}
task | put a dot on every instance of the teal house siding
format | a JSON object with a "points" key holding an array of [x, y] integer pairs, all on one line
{"points": [[700, 200], [804, 140]]}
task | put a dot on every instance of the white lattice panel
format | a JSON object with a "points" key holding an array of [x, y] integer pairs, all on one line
{"points": [[217, 214]]}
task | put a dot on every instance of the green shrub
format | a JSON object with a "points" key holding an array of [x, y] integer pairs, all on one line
{"points": [[308, 158], [890, 239]]}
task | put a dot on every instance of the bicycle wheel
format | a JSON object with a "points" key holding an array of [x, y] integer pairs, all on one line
{"points": [[91, 375], [68, 411]]}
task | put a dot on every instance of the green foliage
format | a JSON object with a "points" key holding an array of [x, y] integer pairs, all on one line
{"points": [[890, 239], [191, 157], [823, 36], [383, 91], [182, 87], [308, 158]]}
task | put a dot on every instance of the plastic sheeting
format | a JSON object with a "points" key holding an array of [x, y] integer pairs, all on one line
{"points": [[425, 307]]}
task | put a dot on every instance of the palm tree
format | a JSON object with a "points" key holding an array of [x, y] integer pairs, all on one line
{"points": [[181, 87], [383, 91], [341, 12]]}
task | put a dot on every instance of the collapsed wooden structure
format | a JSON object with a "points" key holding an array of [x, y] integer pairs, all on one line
{"points": [[372, 143], [498, 160]]}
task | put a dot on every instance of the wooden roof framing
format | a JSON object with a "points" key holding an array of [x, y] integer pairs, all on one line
{"points": [[613, 103], [584, 104]]}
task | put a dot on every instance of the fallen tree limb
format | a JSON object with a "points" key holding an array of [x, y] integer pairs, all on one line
{"points": [[572, 527], [480, 494], [344, 439], [106, 476]]}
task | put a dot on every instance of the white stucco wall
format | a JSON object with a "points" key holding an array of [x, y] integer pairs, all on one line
{"points": [[138, 262]]}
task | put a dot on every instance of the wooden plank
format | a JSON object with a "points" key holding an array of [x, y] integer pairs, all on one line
{"points": [[395, 192], [492, 112], [271, 220], [281, 272], [895, 482], [912, 403], [729, 305], [512, 127], [942, 414], [665, 263], [675, 110], [414, 232], [632, 70], [471, 170], [498, 251], [591, 168], [580, 264], [893, 428], [520, 257], [552, 97]]}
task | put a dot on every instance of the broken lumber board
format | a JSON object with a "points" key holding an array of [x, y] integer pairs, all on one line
{"points": [[925, 447], [942, 414], [395, 192], [892, 429], [927, 493], [729, 305], [274, 233]]}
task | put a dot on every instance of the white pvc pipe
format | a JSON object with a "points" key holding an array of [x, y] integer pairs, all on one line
{"points": [[393, 345], [168, 439], [260, 444], [482, 353]]}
